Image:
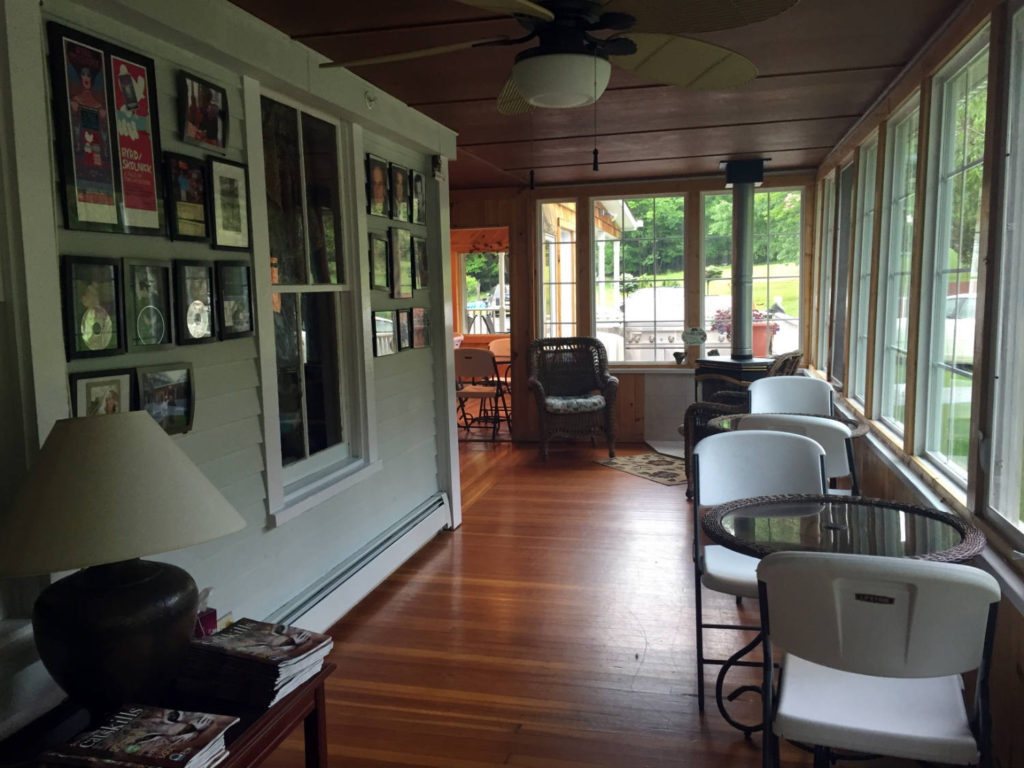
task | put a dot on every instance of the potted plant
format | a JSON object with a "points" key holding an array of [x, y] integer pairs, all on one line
{"points": [[761, 327]]}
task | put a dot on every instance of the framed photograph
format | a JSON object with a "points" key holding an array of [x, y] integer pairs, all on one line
{"points": [[202, 111], [405, 329], [149, 316], [380, 263], [385, 333], [229, 204], [102, 392], [186, 197], [419, 199], [401, 263], [420, 268], [420, 327], [93, 313], [194, 290], [107, 131], [234, 299], [401, 195], [167, 393], [378, 192]]}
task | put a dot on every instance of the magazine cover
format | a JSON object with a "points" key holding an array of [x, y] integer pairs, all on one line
{"points": [[262, 641], [145, 735]]}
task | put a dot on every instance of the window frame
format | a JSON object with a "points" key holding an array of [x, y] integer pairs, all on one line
{"points": [[543, 243], [826, 251], [861, 270]]}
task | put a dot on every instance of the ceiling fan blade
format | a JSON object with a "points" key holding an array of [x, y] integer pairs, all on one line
{"points": [[513, 8], [686, 63], [685, 16], [511, 101], [417, 54]]}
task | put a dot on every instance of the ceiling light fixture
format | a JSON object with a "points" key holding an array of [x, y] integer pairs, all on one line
{"points": [[560, 80]]}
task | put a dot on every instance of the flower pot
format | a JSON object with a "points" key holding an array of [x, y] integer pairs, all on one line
{"points": [[759, 339]]}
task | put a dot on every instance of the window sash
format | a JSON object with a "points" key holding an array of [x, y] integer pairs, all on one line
{"points": [[861, 269]]}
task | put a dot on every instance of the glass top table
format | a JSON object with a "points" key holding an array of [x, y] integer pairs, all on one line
{"points": [[731, 421], [848, 524]]}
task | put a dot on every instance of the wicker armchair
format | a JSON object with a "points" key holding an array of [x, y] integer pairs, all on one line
{"points": [[575, 393]]}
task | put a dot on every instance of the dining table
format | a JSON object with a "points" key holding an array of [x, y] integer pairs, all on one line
{"points": [[732, 421]]}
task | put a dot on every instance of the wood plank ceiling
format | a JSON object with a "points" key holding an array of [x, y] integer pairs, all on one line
{"points": [[821, 65]]}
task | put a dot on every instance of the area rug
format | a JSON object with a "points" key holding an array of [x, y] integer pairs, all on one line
{"points": [[666, 470]]}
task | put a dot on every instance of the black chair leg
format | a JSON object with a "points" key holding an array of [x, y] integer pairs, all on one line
{"points": [[698, 610]]}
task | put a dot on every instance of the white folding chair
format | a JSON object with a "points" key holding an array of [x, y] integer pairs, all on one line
{"points": [[832, 435], [791, 394], [737, 465], [476, 378], [874, 649]]}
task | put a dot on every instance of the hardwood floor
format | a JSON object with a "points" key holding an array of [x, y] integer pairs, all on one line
{"points": [[553, 629]]}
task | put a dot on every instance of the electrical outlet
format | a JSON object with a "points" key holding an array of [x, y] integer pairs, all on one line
{"points": [[225, 621]]}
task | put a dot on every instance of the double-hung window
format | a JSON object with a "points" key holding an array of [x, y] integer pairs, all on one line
{"points": [[827, 251], [958, 127], [860, 311], [558, 268]]}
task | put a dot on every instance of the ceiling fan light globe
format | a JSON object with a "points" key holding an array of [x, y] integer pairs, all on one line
{"points": [[560, 80]]}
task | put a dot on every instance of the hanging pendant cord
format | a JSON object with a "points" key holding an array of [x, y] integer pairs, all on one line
{"points": [[596, 165]]}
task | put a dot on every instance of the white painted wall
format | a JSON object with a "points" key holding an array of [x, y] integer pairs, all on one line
{"points": [[666, 397]]}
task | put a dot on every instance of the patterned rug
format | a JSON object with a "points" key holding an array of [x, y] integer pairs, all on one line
{"points": [[666, 470]]}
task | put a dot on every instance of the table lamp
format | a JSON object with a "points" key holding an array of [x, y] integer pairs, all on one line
{"points": [[105, 491]]}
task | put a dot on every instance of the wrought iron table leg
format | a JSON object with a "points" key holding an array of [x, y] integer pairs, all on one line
{"points": [[737, 660]]}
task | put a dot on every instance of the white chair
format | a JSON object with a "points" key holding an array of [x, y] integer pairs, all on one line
{"points": [[476, 378], [874, 649], [737, 465], [791, 394], [501, 348], [832, 435]]}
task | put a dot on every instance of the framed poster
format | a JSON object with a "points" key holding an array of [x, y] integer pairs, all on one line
{"points": [[167, 393], [186, 197], [93, 313], [378, 192], [419, 198], [202, 111], [404, 328], [229, 204], [102, 392], [380, 263], [401, 263], [194, 284], [149, 318], [384, 333], [419, 255], [420, 327], [401, 198], [234, 299]]}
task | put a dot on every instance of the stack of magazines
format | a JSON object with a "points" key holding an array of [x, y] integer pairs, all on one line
{"points": [[141, 735], [253, 662]]}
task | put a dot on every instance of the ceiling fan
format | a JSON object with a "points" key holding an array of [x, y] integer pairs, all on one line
{"points": [[571, 66]]}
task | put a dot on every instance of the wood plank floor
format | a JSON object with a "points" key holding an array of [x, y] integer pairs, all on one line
{"points": [[553, 629]]}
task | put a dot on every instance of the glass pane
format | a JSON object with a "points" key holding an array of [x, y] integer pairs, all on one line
{"points": [[668, 217], [558, 292], [289, 382], [320, 367], [284, 193], [323, 206]]}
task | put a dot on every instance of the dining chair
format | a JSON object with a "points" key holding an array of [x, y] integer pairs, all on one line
{"points": [[476, 378], [792, 394], [834, 436], [501, 348], [874, 652], [737, 465]]}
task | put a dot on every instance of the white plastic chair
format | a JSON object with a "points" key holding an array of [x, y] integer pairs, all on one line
{"points": [[832, 435], [501, 348], [737, 465], [791, 394], [476, 378], [875, 647]]}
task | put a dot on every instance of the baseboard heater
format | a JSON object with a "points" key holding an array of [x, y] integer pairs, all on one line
{"points": [[366, 568]]}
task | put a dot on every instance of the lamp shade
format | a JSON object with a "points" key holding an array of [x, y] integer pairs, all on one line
{"points": [[559, 80], [105, 489]]}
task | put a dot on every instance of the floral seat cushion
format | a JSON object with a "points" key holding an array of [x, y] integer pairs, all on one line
{"points": [[577, 404]]}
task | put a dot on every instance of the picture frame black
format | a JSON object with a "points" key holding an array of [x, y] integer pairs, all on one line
{"points": [[234, 300], [92, 287], [194, 292], [420, 327], [421, 266], [419, 197], [401, 263], [404, 329], [186, 196], [98, 393], [401, 194], [167, 393], [228, 197], [107, 128], [202, 111], [385, 332], [380, 262], [149, 305], [378, 187]]}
